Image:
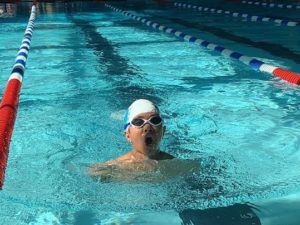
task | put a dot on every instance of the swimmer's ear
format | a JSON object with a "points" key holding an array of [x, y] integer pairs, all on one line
{"points": [[127, 135]]}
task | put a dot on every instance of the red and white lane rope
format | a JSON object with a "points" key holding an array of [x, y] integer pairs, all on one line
{"points": [[10, 99]]}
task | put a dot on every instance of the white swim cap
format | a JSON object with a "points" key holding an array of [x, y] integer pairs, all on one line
{"points": [[137, 107]]}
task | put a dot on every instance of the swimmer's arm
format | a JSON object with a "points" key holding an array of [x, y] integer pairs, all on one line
{"points": [[97, 169]]}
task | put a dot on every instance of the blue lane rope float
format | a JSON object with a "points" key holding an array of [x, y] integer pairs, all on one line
{"points": [[272, 5], [10, 99], [238, 14], [254, 63]]}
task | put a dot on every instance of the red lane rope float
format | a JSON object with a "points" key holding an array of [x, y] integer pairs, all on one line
{"points": [[287, 75], [10, 100]]}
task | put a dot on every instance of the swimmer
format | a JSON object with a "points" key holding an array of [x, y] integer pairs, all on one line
{"points": [[144, 129]]}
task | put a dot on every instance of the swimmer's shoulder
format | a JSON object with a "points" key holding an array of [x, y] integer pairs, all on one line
{"points": [[126, 159], [123, 158]]}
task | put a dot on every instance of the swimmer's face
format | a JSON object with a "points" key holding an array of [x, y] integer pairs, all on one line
{"points": [[146, 138]]}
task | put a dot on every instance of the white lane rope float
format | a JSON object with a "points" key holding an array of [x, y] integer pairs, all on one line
{"points": [[272, 5], [251, 18]]}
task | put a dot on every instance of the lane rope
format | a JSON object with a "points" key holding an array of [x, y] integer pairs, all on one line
{"points": [[10, 99], [272, 5], [238, 14], [254, 63]]}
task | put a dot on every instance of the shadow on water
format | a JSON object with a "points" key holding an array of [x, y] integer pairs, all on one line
{"points": [[105, 51], [207, 83], [119, 71], [201, 83], [85, 217], [237, 214], [272, 48]]}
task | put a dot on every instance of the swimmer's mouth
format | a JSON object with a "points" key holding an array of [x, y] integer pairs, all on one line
{"points": [[149, 140]]}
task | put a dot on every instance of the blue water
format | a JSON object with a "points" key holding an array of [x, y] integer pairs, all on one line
{"points": [[88, 63]]}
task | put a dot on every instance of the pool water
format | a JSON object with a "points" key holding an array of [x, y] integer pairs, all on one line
{"points": [[86, 65]]}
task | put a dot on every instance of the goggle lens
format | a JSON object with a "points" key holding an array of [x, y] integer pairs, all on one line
{"points": [[155, 120], [137, 122]]}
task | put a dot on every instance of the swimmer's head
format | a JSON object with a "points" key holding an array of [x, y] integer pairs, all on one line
{"points": [[137, 107]]}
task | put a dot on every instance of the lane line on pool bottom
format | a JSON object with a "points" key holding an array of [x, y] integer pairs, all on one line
{"points": [[254, 63], [238, 14], [272, 5], [10, 99]]}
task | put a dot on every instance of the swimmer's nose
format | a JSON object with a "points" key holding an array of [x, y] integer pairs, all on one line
{"points": [[147, 128]]}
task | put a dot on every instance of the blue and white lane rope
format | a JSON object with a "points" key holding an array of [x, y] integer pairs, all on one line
{"points": [[272, 5], [252, 62], [20, 63], [10, 100], [237, 14]]}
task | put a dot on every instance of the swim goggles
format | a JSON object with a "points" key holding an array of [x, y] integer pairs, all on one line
{"points": [[140, 122]]}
